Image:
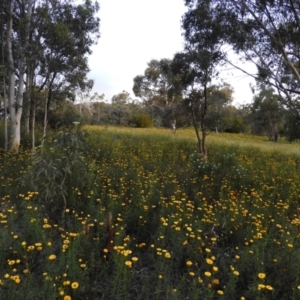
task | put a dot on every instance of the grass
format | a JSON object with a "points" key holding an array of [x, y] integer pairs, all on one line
{"points": [[147, 218]]}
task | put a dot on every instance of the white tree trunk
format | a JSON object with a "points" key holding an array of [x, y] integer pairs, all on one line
{"points": [[15, 105], [11, 72]]}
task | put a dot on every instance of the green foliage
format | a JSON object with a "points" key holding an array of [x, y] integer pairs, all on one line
{"points": [[267, 115], [121, 98], [291, 127], [142, 121], [156, 86], [119, 114], [57, 167], [64, 115], [233, 124], [262, 43]]}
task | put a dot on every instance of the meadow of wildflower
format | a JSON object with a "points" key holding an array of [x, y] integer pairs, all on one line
{"points": [[106, 213]]}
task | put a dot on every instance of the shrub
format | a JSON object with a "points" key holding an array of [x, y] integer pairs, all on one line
{"points": [[142, 120], [54, 167], [64, 116]]}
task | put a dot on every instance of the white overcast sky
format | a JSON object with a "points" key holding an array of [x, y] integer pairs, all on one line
{"points": [[132, 33]]}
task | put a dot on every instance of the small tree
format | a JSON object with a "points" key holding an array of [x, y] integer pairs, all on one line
{"points": [[196, 69]]}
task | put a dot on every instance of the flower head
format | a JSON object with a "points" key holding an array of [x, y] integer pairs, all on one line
{"points": [[74, 285], [52, 257]]}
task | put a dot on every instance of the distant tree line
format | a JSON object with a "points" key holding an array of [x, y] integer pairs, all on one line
{"points": [[263, 116]]}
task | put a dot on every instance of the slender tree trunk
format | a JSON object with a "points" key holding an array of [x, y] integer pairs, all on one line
{"points": [[47, 105], [28, 103], [16, 105], [203, 128], [33, 125], [196, 128], [5, 115], [45, 117], [4, 82], [11, 75]]}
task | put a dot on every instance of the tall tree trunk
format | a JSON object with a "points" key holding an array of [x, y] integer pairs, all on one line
{"points": [[5, 115], [46, 116], [11, 72], [16, 105], [4, 73], [196, 128], [28, 102], [32, 115], [47, 105]]}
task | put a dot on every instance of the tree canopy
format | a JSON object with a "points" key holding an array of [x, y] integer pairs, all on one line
{"points": [[45, 45], [264, 32], [156, 86]]}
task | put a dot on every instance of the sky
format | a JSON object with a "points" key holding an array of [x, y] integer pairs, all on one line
{"points": [[133, 32]]}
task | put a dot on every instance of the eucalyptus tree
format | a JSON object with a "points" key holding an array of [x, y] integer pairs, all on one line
{"points": [[3, 72], [16, 56], [156, 86], [196, 68], [47, 43], [266, 113], [221, 96], [65, 35], [121, 98], [263, 32]]}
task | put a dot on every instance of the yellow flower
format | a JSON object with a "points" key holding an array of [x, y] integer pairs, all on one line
{"points": [[160, 276], [207, 274], [215, 268], [220, 292], [236, 273], [261, 286], [135, 259], [189, 263], [52, 257], [216, 281], [17, 280], [209, 261], [192, 274], [67, 297], [128, 263], [268, 287], [74, 285], [261, 275]]}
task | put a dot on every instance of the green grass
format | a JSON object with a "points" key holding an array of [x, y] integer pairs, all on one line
{"points": [[148, 218]]}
